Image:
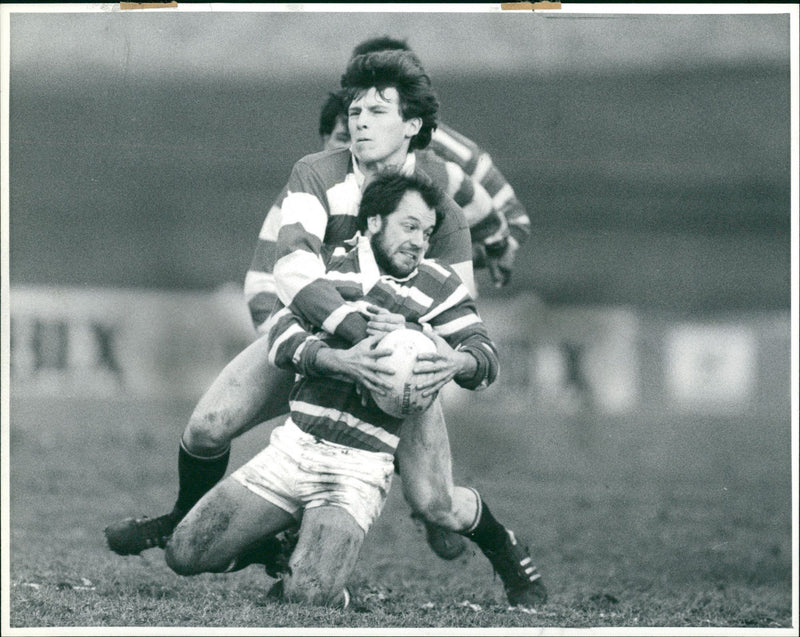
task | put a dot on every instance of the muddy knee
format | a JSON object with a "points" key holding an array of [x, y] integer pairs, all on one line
{"points": [[209, 431], [433, 508], [180, 556], [324, 558]]}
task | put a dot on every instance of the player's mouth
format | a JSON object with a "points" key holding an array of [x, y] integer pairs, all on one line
{"points": [[411, 255]]}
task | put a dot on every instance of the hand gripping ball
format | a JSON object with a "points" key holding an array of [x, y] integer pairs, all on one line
{"points": [[403, 399]]}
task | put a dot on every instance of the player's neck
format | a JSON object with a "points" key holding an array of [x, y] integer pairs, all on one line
{"points": [[395, 160]]}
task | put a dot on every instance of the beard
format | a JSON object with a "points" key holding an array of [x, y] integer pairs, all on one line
{"points": [[384, 260]]}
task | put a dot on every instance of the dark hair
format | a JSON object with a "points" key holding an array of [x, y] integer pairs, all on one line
{"points": [[332, 110], [383, 194], [401, 70], [383, 43]]}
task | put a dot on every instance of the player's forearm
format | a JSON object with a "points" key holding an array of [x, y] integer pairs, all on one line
{"points": [[301, 285]]}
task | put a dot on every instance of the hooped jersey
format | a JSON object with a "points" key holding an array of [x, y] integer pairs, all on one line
{"points": [[432, 296], [478, 165], [328, 185], [317, 215]]}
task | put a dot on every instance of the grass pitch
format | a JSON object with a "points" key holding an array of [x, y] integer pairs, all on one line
{"points": [[681, 523]]}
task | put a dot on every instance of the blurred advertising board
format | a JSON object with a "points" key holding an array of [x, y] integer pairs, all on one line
{"points": [[105, 342], [86, 342]]}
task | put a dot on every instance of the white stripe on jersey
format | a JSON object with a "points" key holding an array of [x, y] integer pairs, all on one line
{"points": [[275, 318], [257, 283], [337, 316], [286, 334], [435, 265], [480, 207], [446, 329], [352, 277], [458, 295], [272, 223], [482, 167], [413, 293], [502, 196], [344, 197], [305, 209], [316, 411], [291, 273], [454, 177], [452, 144], [466, 274], [299, 351]]}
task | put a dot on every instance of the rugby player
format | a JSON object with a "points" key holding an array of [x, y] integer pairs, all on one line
{"points": [[497, 254], [329, 465], [485, 224], [317, 216]]}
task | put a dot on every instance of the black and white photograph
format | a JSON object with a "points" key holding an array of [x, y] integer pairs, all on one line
{"points": [[410, 318]]}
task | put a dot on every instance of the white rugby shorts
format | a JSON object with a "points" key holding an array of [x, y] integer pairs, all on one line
{"points": [[297, 471]]}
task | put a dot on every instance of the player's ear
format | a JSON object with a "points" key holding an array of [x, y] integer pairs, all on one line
{"points": [[413, 126], [374, 224]]}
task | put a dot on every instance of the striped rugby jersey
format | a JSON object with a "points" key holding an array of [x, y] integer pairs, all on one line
{"points": [[317, 213], [432, 296], [475, 162]]}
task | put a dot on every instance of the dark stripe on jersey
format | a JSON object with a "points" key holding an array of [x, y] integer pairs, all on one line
{"points": [[264, 257], [294, 237]]}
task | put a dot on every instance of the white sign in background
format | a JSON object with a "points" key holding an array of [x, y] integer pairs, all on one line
{"points": [[711, 366]]}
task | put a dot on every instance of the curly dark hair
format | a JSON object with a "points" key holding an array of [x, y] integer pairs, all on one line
{"points": [[382, 43], [384, 192], [401, 70], [332, 110]]}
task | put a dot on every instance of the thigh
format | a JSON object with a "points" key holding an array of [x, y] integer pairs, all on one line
{"points": [[423, 454], [327, 549], [249, 390], [224, 523]]}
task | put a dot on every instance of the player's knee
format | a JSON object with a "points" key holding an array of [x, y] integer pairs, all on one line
{"points": [[208, 431], [435, 508], [179, 557], [329, 544]]}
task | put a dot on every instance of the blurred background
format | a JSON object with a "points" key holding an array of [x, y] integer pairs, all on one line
{"points": [[648, 315]]}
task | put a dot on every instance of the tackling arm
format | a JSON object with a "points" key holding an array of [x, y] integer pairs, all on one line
{"points": [[299, 270]]}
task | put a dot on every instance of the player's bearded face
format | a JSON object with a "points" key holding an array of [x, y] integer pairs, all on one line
{"points": [[378, 133], [401, 239]]}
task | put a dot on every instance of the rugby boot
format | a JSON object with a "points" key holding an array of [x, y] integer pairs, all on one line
{"points": [[448, 545], [131, 536], [521, 579]]}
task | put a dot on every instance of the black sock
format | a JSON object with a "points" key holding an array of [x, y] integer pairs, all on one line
{"points": [[196, 477], [488, 533]]}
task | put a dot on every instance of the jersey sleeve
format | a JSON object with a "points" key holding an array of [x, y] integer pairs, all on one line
{"points": [[451, 243], [487, 224], [455, 318], [292, 345], [259, 282], [477, 163], [299, 268]]}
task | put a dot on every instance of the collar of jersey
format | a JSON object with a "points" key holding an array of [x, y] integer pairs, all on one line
{"points": [[408, 168]]}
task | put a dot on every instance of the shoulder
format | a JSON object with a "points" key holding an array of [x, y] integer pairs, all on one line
{"points": [[330, 166], [452, 144], [433, 272]]}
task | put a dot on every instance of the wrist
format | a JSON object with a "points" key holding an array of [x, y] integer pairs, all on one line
{"points": [[468, 365], [326, 361]]}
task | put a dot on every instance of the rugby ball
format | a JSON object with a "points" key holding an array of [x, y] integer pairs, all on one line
{"points": [[403, 399]]}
